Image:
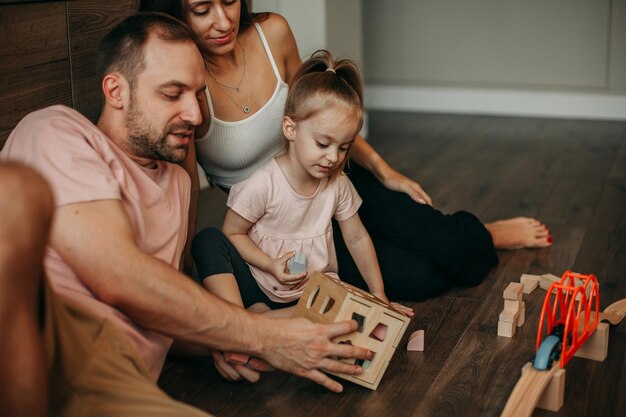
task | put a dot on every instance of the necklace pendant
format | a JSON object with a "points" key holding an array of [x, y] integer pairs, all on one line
{"points": [[246, 109]]}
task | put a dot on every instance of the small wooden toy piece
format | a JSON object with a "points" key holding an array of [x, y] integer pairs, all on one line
{"points": [[329, 300], [416, 341], [615, 312], [514, 312], [597, 346], [530, 282], [513, 291], [297, 264], [530, 388], [546, 280]]}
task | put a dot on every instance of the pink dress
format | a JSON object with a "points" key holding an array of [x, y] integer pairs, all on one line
{"points": [[285, 220]]}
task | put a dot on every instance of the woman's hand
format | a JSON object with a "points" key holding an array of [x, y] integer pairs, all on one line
{"points": [[366, 156], [393, 180], [279, 269]]}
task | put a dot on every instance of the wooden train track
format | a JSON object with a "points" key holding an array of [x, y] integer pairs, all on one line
{"points": [[533, 382], [528, 390], [615, 312]]}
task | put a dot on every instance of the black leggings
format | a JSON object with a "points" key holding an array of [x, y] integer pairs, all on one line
{"points": [[214, 254], [421, 251]]}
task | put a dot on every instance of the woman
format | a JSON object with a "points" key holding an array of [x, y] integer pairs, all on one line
{"points": [[251, 61]]}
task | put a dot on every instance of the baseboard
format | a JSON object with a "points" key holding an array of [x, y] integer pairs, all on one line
{"points": [[496, 102]]}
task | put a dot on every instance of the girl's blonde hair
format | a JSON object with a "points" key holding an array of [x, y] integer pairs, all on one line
{"points": [[321, 81]]}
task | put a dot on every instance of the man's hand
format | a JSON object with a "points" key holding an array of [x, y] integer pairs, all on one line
{"points": [[305, 349]]}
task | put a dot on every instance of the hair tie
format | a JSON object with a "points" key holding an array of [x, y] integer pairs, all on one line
{"points": [[331, 70]]}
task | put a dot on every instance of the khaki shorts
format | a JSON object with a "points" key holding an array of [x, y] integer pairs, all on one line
{"points": [[94, 370]]}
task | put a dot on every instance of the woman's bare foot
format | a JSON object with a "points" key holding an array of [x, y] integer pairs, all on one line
{"points": [[519, 232]]}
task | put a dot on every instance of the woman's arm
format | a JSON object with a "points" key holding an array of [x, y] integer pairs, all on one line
{"points": [[363, 154], [236, 230]]}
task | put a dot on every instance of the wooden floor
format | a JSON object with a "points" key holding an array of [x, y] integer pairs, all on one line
{"points": [[569, 174]]}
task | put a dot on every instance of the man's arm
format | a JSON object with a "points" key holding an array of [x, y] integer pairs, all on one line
{"points": [[96, 240]]}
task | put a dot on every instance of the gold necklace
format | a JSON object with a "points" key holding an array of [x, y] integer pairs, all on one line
{"points": [[245, 108]]}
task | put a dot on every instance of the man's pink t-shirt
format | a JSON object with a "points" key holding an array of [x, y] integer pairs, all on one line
{"points": [[83, 165], [285, 220]]}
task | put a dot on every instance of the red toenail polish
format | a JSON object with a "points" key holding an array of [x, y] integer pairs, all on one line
{"points": [[550, 239]]}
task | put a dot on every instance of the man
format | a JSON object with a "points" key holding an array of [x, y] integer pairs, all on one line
{"points": [[118, 232]]}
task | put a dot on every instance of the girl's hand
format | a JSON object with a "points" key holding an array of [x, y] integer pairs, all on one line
{"points": [[407, 311], [281, 272], [393, 180], [251, 371]]}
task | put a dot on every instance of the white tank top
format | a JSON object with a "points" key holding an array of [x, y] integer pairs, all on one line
{"points": [[230, 151]]}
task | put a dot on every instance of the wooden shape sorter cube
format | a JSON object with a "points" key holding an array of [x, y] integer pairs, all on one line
{"points": [[329, 300]]}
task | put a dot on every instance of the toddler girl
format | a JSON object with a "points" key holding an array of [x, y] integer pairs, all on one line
{"points": [[287, 206]]}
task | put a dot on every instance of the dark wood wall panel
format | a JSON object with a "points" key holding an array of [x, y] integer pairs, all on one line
{"points": [[34, 61], [89, 21], [48, 52]]}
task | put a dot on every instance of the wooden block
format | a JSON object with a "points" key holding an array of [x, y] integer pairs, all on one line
{"points": [[530, 282], [513, 291], [546, 280], [521, 318], [513, 305], [416, 341], [552, 397], [297, 264], [506, 329], [508, 316], [597, 346]]}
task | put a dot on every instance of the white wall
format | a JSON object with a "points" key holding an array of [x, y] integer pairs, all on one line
{"points": [[321, 24], [335, 25], [557, 58]]}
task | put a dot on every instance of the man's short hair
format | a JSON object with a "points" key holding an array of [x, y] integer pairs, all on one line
{"points": [[121, 49]]}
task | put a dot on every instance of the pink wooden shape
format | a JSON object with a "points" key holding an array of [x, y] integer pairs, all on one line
{"points": [[379, 332], [416, 341]]}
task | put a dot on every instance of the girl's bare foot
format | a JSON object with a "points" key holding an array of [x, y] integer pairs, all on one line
{"points": [[519, 232]]}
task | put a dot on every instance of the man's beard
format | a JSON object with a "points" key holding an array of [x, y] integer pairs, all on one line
{"points": [[145, 141]]}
